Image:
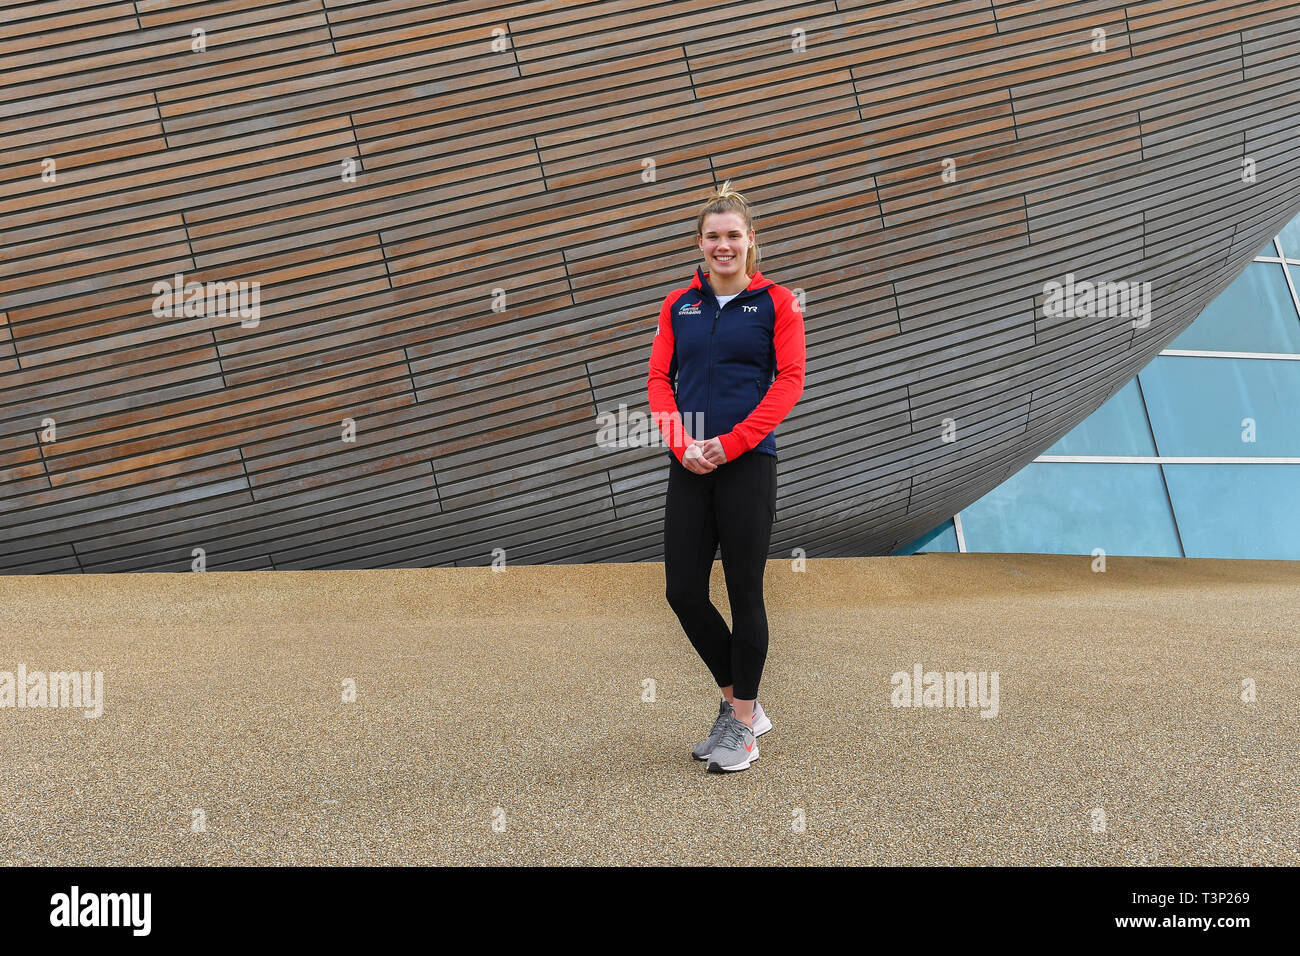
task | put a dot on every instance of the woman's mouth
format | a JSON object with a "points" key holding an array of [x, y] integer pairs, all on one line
{"points": [[723, 257]]}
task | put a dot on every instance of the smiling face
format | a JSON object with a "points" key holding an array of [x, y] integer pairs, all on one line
{"points": [[725, 243]]}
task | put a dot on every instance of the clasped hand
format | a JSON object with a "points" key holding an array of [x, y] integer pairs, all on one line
{"points": [[702, 457]]}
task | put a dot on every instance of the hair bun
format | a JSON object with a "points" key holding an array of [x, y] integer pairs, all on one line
{"points": [[726, 192]]}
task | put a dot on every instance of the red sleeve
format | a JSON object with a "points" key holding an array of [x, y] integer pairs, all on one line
{"points": [[787, 340], [659, 386]]}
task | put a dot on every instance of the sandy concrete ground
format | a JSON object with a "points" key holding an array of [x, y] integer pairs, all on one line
{"points": [[499, 717]]}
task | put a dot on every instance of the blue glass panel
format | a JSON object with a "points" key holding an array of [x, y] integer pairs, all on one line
{"points": [[1118, 427], [1289, 240], [942, 538], [1254, 314], [1237, 511], [1071, 508], [1196, 406], [1268, 250]]}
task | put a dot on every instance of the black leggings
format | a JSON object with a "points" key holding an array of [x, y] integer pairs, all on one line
{"points": [[735, 505]]}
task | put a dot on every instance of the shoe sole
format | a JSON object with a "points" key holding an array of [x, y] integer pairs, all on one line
{"points": [[762, 727], [719, 768]]}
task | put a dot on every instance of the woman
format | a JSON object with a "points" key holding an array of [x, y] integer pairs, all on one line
{"points": [[724, 337]]}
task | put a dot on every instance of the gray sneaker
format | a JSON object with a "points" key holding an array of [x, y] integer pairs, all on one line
{"points": [[702, 750], [736, 749]]}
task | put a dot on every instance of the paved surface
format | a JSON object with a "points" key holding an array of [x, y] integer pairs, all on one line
{"points": [[1119, 691]]}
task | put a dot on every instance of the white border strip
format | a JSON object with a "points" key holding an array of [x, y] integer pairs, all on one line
{"points": [[1161, 460], [961, 535], [1286, 356], [1290, 281]]}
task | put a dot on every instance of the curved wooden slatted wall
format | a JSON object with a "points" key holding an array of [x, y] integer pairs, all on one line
{"points": [[521, 167]]}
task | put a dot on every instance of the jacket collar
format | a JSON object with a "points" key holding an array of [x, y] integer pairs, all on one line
{"points": [[701, 281]]}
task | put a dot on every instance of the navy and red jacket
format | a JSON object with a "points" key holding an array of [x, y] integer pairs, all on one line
{"points": [[739, 367]]}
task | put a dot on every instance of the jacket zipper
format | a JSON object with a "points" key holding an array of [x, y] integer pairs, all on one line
{"points": [[708, 400], [718, 311]]}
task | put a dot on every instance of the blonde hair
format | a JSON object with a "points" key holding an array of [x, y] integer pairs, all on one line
{"points": [[726, 199]]}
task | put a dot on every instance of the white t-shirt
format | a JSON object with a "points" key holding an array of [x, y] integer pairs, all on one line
{"points": [[724, 299]]}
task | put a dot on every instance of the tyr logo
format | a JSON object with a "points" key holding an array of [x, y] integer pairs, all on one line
{"points": [[750, 308]]}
